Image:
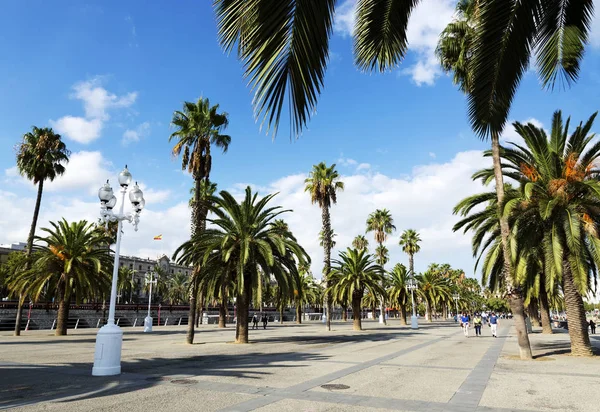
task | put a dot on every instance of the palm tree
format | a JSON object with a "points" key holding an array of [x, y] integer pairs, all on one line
{"points": [[323, 183], [72, 262], [409, 240], [354, 272], [177, 288], [243, 240], [41, 156], [360, 242], [560, 190], [433, 288], [199, 126], [397, 291], [306, 292], [125, 282], [332, 235], [382, 224]]}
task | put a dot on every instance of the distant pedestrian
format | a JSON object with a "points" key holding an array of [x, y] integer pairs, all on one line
{"points": [[264, 321], [255, 322], [477, 324], [593, 327], [464, 322], [494, 324]]}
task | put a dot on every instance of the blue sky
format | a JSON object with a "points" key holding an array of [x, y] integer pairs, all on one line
{"points": [[133, 63]]}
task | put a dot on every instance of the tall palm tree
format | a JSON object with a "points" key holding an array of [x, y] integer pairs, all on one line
{"points": [[381, 223], [125, 282], [72, 262], [322, 236], [323, 183], [198, 126], [397, 292], [354, 273], [360, 242], [560, 187], [41, 156], [242, 238], [409, 240]]}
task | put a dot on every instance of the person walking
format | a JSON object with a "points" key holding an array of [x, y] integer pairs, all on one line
{"points": [[464, 321], [494, 324], [477, 324], [255, 322], [264, 321], [592, 327]]}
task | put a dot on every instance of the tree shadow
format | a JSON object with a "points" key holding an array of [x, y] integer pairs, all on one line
{"points": [[543, 350], [22, 385]]}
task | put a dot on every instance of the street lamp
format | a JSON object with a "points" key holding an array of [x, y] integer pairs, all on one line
{"points": [[107, 356], [412, 284], [456, 297], [148, 320]]}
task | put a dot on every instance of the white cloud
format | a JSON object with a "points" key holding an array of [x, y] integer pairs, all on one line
{"points": [[81, 130], [131, 136], [363, 166], [97, 101], [423, 201], [85, 171], [345, 161], [426, 23], [432, 155]]}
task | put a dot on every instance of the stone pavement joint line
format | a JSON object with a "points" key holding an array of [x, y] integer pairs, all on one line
{"points": [[301, 388], [469, 394]]}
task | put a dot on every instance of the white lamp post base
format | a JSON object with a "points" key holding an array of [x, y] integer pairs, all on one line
{"points": [[381, 319], [414, 322], [107, 358], [147, 324]]}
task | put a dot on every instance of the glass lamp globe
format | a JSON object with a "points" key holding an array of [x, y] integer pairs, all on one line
{"points": [[105, 193], [125, 177], [111, 203], [136, 195]]}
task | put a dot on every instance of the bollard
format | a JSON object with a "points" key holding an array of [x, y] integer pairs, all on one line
{"points": [[98, 324], [76, 324], [134, 322], [166, 320], [179, 324], [53, 323]]}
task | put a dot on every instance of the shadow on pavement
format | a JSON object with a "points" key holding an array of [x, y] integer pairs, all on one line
{"points": [[22, 385]]}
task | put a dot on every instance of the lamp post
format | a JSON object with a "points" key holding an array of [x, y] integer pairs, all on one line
{"points": [[107, 356], [411, 284], [456, 297], [148, 320]]}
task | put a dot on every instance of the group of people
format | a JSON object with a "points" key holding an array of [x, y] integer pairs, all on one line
{"points": [[263, 319], [478, 321]]}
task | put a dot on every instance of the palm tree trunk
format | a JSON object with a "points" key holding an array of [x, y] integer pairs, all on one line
{"points": [[189, 338], [199, 308], [243, 307], [281, 313], [63, 309], [532, 310], [325, 217], [429, 314], [223, 312], [345, 313], [357, 321], [374, 312], [545, 308], [403, 315], [36, 213], [298, 313], [576, 320], [515, 297]]}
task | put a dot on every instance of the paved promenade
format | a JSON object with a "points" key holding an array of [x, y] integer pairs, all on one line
{"points": [[300, 368]]}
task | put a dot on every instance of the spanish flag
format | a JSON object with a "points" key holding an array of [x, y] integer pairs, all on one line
{"points": [[159, 237]]}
